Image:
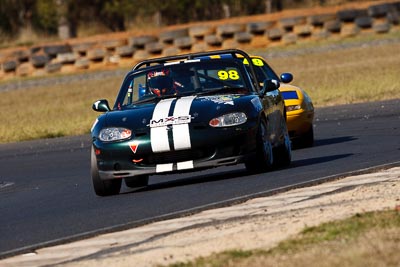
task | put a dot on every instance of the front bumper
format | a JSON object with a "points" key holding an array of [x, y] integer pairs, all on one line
{"points": [[174, 167], [210, 148]]}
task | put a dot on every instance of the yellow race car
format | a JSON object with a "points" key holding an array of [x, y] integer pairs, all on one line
{"points": [[299, 107]]}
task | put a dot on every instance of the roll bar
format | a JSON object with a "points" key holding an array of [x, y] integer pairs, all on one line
{"points": [[192, 56]]}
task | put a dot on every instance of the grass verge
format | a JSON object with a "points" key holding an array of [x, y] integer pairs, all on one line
{"points": [[52, 111], [331, 77], [369, 239]]}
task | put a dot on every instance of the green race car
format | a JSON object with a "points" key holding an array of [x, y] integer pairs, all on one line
{"points": [[184, 113]]}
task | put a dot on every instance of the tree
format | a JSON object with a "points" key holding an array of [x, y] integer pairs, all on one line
{"points": [[16, 14], [45, 17]]}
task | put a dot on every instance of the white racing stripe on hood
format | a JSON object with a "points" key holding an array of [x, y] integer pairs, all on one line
{"points": [[159, 135], [181, 132]]}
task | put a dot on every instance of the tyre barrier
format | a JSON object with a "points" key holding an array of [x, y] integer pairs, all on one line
{"points": [[243, 37], [275, 34], [257, 32], [39, 61], [289, 23], [125, 51], [111, 45], [53, 67], [25, 69], [9, 66], [185, 42], [289, 38], [349, 15], [140, 41], [21, 55], [167, 37], [303, 31], [333, 26], [393, 18], [364, 22], [349, 30], [213, 40], [319, 19], [228, 30], [380, 11], [66, 58], [381, 27], [53, 50], [154, 48], [82, 48], [96, 54], [200, 31], [82, 63], [258, 28]]}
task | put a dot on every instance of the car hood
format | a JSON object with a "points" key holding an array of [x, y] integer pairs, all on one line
{"points": [[191, 109]]}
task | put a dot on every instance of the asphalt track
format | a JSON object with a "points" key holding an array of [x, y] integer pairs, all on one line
{"points": [[46, 196]]}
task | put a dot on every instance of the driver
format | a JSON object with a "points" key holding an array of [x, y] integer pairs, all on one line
{"points": [[160, 82]]}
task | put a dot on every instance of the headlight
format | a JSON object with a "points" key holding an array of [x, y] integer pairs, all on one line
{"points": [[294, 107], [114, 134], [230, 119]]}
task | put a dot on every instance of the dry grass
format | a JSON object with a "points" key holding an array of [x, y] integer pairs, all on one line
{"points": [[371, 239], [361, 74], [52, 111]]}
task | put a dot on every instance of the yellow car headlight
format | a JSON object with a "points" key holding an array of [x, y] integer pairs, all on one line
{"points": [[293, 107]]}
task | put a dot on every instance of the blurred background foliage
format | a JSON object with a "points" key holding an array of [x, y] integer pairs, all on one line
{"points": [[61, 19]]}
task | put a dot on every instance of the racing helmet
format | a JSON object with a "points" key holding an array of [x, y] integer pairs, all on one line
{"points": [[160, 82]]}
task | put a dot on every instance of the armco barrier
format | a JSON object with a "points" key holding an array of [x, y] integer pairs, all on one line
{"points": [[347, 22]]}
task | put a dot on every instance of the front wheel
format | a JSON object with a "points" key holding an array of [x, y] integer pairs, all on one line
{"points": [[308, 139], [103, 187], [264, 159], [283, 153]]}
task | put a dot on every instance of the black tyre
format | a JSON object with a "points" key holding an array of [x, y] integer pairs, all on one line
{"points": [[283, 153], [228, 30], [308, 138], [264, 158], [137, 181], [39, 61], [168, 37], [53, 50], [103, 187], [185, 42], [243, 37], [258, 27], [10, 65], [364, 22]]}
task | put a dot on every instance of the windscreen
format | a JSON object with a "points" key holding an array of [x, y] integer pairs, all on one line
{"points": [[186, 78]]}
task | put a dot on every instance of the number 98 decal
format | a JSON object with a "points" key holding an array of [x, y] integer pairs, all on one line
{"points": [[230, 74]]}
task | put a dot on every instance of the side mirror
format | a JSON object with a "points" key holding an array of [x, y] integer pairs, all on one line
{"points": [[286, 77], [101, 106], [269, 85]]}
